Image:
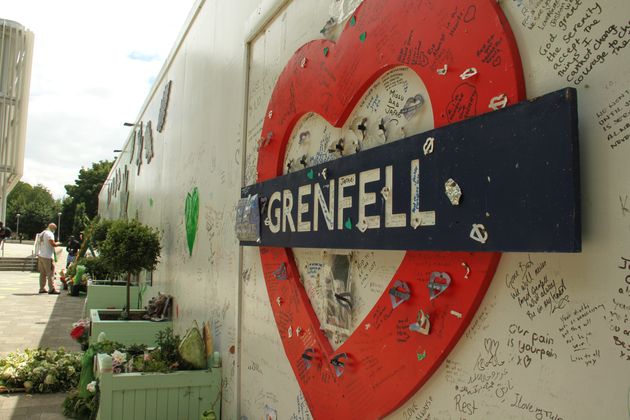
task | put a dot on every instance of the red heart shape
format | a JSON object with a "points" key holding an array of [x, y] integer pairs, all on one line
{"points": [[382, 366]]}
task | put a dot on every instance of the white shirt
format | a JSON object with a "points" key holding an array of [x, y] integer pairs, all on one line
{"points": [[46, 250]]}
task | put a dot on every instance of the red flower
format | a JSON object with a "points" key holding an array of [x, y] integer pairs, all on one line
{"points": [[77, 332]]}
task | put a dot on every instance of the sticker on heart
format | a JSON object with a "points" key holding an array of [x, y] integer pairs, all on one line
{"points": [[380, 365]]}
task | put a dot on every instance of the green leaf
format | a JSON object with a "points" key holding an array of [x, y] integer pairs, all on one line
{"points": [[191, 211]]}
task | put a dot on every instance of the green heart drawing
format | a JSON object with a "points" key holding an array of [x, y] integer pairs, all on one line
{"points": [[348, 223], [192, 217]]}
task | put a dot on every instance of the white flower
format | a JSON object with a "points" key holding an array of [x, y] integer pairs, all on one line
{"points": [[50, 380], [9, 373], [28, 385], [118, 357], [101, 337], [85, 323], [91, 387]]}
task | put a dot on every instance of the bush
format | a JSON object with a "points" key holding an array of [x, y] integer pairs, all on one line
{"points": [[41, 370], [77, 407], [130, 247], [99, 232], [97, 268]]}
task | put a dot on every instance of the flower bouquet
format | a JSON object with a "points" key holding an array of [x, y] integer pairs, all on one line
{"points": [[80, 332]]}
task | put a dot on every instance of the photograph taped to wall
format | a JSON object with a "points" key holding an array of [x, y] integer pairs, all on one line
{"points": [[248, 219], [338, 292]]}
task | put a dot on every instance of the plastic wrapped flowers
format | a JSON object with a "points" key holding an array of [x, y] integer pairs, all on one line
{"points": [[81, 332], [118, 361], [91, 387]]}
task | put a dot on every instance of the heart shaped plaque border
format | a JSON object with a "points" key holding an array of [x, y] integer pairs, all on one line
{"points": [[466, 55]]}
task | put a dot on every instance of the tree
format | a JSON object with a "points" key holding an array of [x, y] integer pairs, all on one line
{"points": [[79, 220], [129, 248], [36, 207], [85, 191]]}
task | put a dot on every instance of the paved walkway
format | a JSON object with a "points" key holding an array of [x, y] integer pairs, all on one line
{"points": [[18, 250], [30, 319]]}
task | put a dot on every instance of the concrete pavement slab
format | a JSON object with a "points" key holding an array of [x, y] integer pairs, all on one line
{"points": [[29, 320]]}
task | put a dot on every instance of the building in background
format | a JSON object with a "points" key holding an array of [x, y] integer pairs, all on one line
{"points": [[16, 57]]}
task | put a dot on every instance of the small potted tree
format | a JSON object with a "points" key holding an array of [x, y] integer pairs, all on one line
{"points": [[129, 248], [105, 290]]}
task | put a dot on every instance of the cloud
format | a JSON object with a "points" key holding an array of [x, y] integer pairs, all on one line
{"points": [[137, 55], [93, 66]]}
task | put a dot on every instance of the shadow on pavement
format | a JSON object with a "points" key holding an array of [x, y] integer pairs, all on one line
{"points": [[67, 309], [26, 313]]}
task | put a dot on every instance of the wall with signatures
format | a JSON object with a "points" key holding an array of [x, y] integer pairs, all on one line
{"points": [[551, 338], [183, 175]]}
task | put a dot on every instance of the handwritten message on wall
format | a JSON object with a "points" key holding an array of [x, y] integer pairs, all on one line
{"points": [[580, 38]]}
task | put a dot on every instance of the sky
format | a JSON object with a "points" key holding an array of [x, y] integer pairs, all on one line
{"points": [[94, 64]]}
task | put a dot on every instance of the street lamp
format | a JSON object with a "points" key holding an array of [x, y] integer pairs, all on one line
{"points": [[17, 228], [58, 226]]}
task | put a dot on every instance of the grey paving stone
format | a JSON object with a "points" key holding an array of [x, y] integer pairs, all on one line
{"points": [[30, 319]]}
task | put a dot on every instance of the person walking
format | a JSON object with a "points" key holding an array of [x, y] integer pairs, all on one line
{"points": [[45, 256]]}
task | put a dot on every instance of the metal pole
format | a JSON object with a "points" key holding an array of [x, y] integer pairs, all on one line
{"points": [[17, 229], [59, 227]]}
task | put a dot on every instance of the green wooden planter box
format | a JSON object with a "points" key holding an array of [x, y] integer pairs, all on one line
{"points": [[169, 396], [108, 296], [126, 332]]}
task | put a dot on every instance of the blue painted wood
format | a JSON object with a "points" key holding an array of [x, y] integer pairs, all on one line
{"points": [[518, 169]]}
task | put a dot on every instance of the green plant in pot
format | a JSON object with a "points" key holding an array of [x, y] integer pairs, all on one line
{"points": [[129, 248], [94, 234]]}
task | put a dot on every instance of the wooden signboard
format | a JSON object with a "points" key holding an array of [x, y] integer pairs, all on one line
{"points": [[504, 181]]}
